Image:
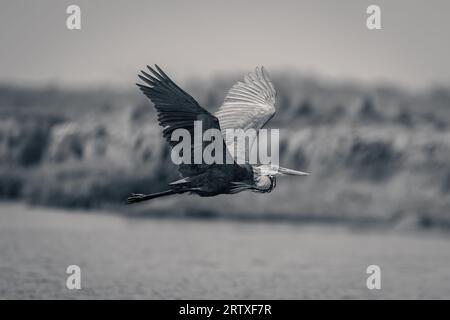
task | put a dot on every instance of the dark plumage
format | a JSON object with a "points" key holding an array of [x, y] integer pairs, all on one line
{"points": [[178, 110]]}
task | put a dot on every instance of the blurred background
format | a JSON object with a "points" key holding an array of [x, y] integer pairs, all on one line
{"points": [[367, 113]]}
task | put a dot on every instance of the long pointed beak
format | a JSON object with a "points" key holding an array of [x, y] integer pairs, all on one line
{"points": [[292, 172]]}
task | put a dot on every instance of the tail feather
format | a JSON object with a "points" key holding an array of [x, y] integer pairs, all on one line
{"points": [[144, 197]]}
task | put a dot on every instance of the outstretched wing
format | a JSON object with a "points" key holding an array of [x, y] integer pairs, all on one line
{"points": [[248, 105], [176, 110]]}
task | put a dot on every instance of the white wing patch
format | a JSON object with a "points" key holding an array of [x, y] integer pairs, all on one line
{"points": [[248, 105]]}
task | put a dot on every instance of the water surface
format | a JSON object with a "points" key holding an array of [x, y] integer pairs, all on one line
{"points": [[136, 258]]}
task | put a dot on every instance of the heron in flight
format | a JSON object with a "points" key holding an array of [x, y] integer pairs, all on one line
{"points": [[248, 105]]}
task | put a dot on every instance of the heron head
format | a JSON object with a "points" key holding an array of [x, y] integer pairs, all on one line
{"points": [[273, 170], [265, 176]]}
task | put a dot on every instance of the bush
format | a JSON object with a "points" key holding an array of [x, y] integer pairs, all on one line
{"points": [[11, 183], [373, 160]]}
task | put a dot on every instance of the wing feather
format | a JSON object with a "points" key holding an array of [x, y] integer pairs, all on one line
{"points": [[176, 110], [248, 105]]}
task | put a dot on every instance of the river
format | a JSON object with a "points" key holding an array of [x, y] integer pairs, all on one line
{"points": [[139, 258]]}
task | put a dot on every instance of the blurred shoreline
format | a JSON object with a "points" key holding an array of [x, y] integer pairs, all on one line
{"points": [[171, 213], [377, 155]]}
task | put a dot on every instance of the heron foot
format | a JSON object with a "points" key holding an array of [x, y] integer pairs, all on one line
{"points": [[139, 195], [135, 197]]}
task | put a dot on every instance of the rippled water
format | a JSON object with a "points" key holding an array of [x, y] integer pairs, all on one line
{"points": [[135, 258]]}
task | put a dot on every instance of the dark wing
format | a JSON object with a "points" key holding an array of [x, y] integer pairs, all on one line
{"points": [[177, 110]]}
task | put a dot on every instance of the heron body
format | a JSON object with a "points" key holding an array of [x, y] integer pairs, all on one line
{"points": [[248, 105]]}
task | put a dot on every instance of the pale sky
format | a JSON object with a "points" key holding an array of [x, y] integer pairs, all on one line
{"points": [[201, 38]]}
